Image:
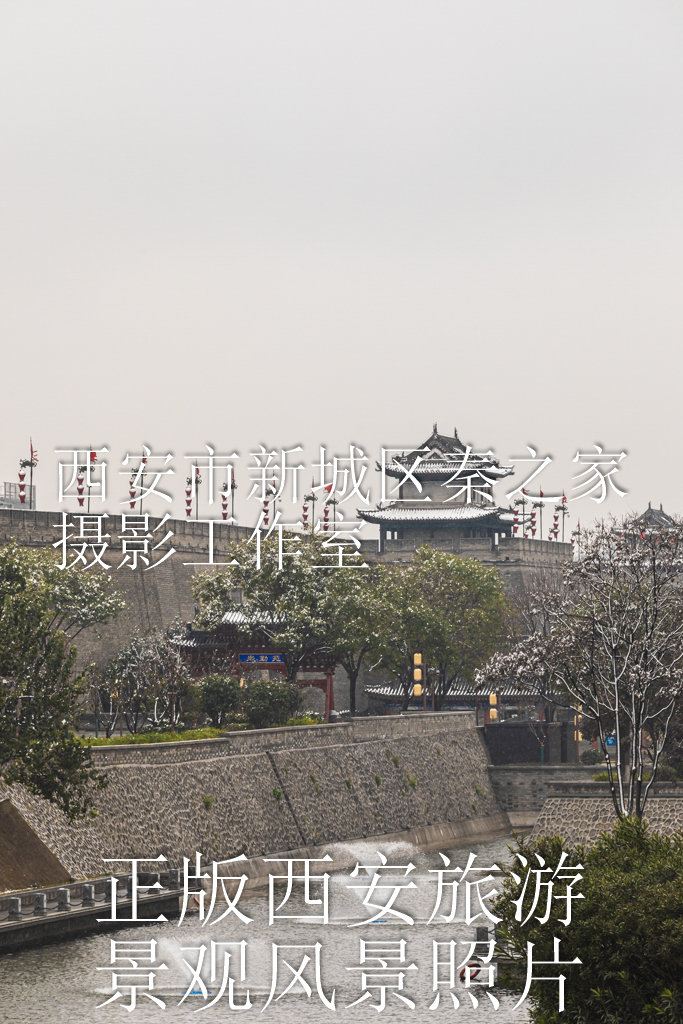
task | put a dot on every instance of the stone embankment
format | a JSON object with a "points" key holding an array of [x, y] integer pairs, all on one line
{"points": [[580, 812], [564, 800], [277, 790]]}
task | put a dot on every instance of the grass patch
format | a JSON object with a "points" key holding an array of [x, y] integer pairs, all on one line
{"points": [[153, 737], [412, 781], [378, 780], [277, 793], [208, 802]]}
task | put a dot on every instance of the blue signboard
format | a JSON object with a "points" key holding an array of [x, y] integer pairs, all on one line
{"points": [[261, 659]]}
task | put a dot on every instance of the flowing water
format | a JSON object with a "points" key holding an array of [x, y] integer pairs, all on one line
{"points": [[59, 984]]}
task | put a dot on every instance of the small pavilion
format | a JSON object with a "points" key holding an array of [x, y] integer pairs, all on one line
{"points": [[227, 647]]}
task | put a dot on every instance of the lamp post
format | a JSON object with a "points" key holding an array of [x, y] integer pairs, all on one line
{"points": [[522, 502], [311, 499], [333, 502], [29, 464], [564, 509]]}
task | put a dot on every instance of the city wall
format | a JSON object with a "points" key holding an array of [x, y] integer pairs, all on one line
{"points": [[522, 790], [579, 812], [274, 790], [155, 596]]}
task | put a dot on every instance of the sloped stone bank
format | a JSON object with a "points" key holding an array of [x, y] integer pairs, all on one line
{"points": [[276, 790], [579, 813]]}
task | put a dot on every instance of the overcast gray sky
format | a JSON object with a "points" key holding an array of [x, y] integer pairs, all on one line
{"points": [[286, 222]]}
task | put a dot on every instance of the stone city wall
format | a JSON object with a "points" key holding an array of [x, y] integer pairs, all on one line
{"points": [[275, 790], [525, 788], [579, 813], [155, 596]]}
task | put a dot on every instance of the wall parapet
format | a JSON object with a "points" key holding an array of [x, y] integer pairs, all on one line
{"points": [[384, 728], [277, 790]]}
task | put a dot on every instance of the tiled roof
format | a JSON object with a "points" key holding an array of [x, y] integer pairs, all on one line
{"points": [[440, 455], [235, 617], [462, 690], [435, 512], [656, 517]]}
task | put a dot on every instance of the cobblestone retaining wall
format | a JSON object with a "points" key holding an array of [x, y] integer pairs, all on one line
{"points": [[274, 790], [581, 817]]}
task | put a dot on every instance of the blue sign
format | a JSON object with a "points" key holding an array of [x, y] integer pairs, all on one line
{"points": [[611, 741], [261, 659]]}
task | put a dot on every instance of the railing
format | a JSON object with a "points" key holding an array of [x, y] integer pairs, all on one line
{"points": [[32, 904]]}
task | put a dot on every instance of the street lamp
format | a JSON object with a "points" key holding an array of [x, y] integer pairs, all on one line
{"points": [[523, 503], [25, 464], [333, 502], [564, 509], [311, 498]]}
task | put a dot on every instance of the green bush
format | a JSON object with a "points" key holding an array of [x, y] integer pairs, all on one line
{"points": [[152, 737], [266, 702], [627, 930], [591, 757], [665, 773], [221, 695]]}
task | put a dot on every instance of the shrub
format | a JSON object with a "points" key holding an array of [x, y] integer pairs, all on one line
{"points": [[151, 737], [591, 757], [266, 702], [220, 696], [627, 930]]}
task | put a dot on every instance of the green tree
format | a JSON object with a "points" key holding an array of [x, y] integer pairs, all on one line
{"points": [[468, 600], [220, 695], [627, 930], [289, 608], [406, 624], [449, 609], [267, 702], [42, 610], [356, 616]]}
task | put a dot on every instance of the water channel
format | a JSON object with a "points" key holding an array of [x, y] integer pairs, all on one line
{"points": [[61, 983]]}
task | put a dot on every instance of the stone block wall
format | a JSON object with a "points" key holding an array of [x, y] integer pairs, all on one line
{"points": [[274, 790], [580, 817], [526, 787], [155, 596]]}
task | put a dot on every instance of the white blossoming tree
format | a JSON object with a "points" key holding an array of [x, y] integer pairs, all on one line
{"points": [[611, 648]]}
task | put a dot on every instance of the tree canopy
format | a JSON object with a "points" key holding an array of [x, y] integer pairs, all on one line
{"points": [[627, 930], [42, 610], [290, 601], [609, 646], [450, 609]]}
